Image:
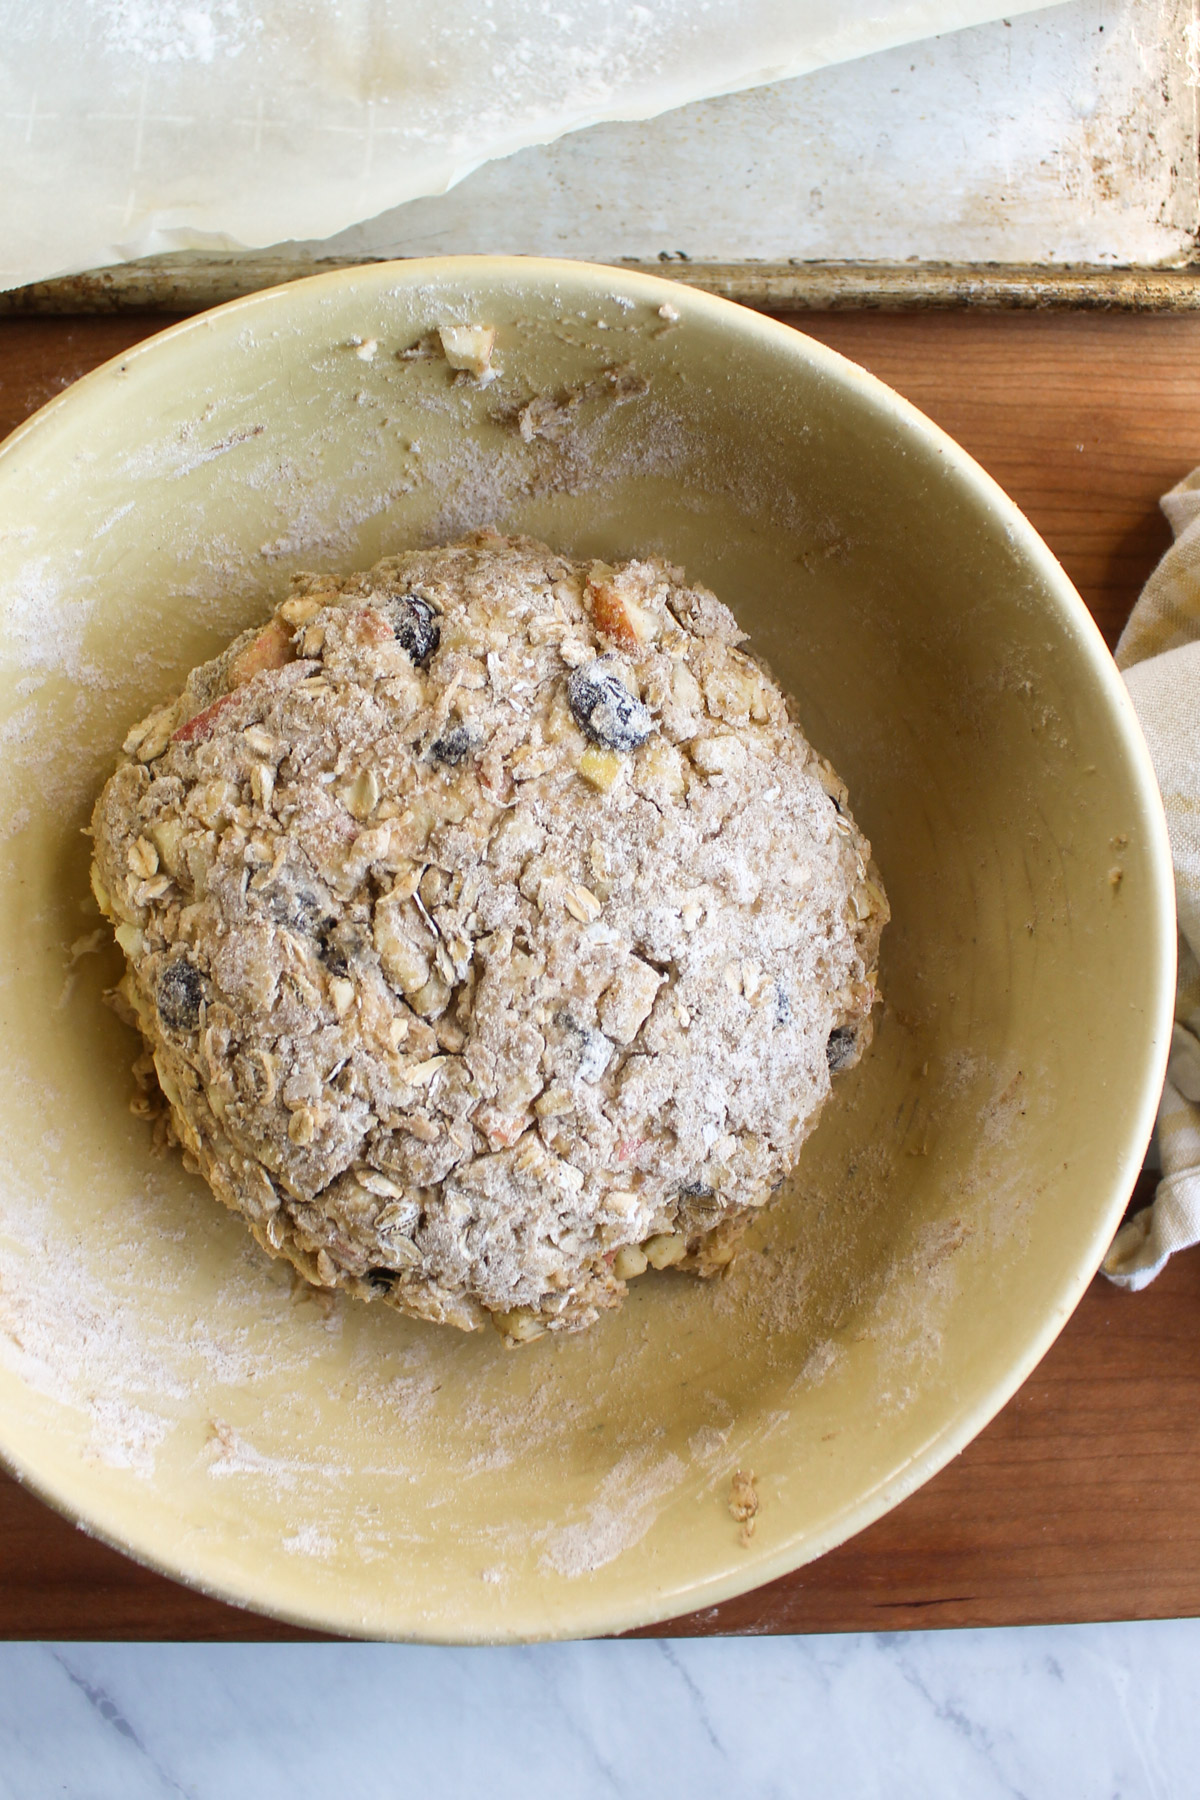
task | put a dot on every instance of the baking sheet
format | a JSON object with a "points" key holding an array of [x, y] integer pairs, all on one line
{"points": [[1043, 159]]}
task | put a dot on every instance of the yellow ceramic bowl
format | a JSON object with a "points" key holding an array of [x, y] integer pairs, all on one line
{"points": [[352, 1470]]}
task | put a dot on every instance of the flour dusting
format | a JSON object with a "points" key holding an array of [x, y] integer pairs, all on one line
{"points": [[626, 1504], [85, 1351], [153, 32], [309, 1542]]}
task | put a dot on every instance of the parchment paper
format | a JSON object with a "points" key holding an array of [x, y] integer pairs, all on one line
{"points": [[129, 127]]}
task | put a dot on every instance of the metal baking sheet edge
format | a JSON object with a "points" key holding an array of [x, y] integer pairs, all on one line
{"points": [[189, 283]]}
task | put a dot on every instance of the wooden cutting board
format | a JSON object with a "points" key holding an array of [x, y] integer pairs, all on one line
{"points": [[1081, 1500]]}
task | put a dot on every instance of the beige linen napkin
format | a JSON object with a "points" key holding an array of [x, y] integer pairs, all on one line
{"points": [[1159, 655]]}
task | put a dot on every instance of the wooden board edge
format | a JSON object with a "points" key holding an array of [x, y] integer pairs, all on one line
{"points": [[189, 282]]}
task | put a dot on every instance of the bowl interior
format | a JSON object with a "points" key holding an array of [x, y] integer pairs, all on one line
{"points": [[337, 1464]]}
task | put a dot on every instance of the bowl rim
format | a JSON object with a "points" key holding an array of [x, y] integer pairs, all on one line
{"points": [[1074, 620]]}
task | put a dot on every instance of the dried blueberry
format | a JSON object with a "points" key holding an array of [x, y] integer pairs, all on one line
{"points": [[594, 1049], [415, 624], [303, 910], [699, 1208], [783, 1005], [338, 944], [841, 1048], [605, 709], [180, 993], [695, 1190], [453, 745], [334, 959], [383, 1278]]}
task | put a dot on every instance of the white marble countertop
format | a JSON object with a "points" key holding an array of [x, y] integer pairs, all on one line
{"points": [[1099, 1712]]}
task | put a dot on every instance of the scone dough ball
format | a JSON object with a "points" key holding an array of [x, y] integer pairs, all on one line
{"points": [[492, 928]]}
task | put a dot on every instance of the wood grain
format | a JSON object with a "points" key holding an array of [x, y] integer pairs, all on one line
{"points": [[1086, 420], [1082, 1499]]}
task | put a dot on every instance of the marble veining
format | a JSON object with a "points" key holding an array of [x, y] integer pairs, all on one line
{"points": [[1101, 1712]]}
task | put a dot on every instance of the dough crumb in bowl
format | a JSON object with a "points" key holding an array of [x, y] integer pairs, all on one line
{"points": [[492, 927]]}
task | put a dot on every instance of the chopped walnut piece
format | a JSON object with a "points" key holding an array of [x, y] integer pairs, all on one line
{"points": [[626, 1002], [469, 347], [744, 1502]]}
